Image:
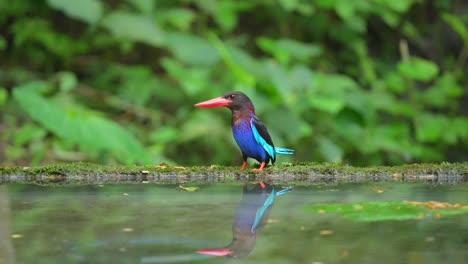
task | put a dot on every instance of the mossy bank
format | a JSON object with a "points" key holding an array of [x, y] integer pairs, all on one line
{"points": [[296, 174]]}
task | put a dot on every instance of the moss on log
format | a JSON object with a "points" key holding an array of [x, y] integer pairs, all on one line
{"points": [[298, 174]]}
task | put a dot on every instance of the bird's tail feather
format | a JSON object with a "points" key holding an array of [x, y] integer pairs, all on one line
{"points": [[283, 191], [284, 150]]}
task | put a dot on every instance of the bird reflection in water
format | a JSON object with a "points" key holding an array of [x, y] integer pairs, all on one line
{"points": [[251, 216]]}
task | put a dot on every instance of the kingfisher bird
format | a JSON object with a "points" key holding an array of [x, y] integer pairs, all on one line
{"points": [[251, 216], [250, 133]]}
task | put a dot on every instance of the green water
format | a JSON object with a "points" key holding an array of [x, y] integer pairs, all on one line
{"points": [[149, 223]]}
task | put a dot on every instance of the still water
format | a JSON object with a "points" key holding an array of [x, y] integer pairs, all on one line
{"points": [[149, 223]]}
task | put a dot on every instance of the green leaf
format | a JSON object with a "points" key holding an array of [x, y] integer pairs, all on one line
{"points": [[67, 81], [145, 6], [286, 49], [337, 83], [193, 79], [33, 31], [390, 210], [201, 124], [418, 69], [225, 12], [188, 189], [27, 133], [82, 128], [443, 92], [191, 49], [459, 125], [240, 73], [138, 84], [3, 96], [398, 6], [430, 127], [289, 4], [330, 151], [178, 17], [164, 135], [395, 82], [133, 27], [279, 76], [327, 103], [457, 25], [89, 11]]}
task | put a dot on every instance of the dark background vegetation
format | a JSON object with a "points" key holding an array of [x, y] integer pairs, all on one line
{"points": [[362, 82]]}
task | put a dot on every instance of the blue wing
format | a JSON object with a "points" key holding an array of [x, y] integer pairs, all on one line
{"points": [[268, 202], [258, 216], [262, 137]]}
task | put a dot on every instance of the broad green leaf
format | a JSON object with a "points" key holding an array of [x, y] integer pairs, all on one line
{"points": [[390, 210], [430, 127], [278, 76], [138, 84], [459, 125], [337, 83], [179, 17], [79, 127], [27, 133], [345, 9], [89, 11], [457, 24], [286, 49], [134, 27], [330, 151], [191, 49], [300, 50], [192, 79], [398, 6], [3, 96], [145, 6], [450, 85], [67, 81], [225, 12], [270, 46], [348, 10], [305, 8], [443, 92], [418, 69], [327, 103], [287, 123], [395, 82], [241, 74], [289, 4], [164, 135], [202, 124], [39, 31]]}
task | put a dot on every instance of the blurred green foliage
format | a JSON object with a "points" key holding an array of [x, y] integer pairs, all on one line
{"points": [[363, 82]]}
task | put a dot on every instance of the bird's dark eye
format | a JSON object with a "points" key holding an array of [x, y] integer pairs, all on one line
{"points": [[231, 96]]}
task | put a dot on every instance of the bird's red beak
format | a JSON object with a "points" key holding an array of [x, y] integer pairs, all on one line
{"points": [[215, 251], [218, 101]]}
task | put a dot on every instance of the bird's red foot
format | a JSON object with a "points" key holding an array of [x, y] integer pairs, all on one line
{"points": [[262, 184], [261, 167], [244, 165]]}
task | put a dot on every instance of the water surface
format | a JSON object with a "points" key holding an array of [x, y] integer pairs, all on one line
{"points": [[149, 223]]}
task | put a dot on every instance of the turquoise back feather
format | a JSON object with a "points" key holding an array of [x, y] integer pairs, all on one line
{"points": [[267, 147]]}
